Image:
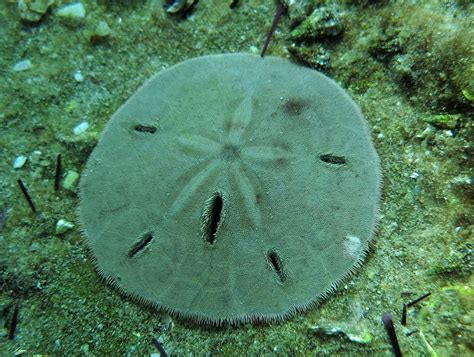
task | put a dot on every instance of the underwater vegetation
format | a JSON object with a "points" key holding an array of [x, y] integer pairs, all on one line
{"points": [[67, 66]]}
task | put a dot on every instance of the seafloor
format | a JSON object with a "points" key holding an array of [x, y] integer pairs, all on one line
{"points": [[409, 65]]}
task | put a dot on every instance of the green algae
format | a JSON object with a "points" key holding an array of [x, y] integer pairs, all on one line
{"points": [[65, 309], [448, 319], [444, 121]]}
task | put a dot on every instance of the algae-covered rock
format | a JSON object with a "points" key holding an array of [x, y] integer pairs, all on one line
{"points": [[444, 121], [72, 15], [62, 226], [33, 10], [432, 61], [323, 22], [315, 56], [70, 181], [101, 32]]}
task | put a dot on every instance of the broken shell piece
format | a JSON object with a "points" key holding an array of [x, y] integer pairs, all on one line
{"points": [[70, 181], [19, 161], [175, 6], [63, 226], [80, 128]]}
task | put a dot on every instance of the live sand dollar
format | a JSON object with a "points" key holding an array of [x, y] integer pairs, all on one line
{"points": [[232, 188]]}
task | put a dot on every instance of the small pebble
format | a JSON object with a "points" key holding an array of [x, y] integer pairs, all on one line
{"points": [[323, 22], [35, 157], [102, 29], [72, 15], [462, 180], [63, 226], [22, 65], [458, 229], [19, 161], [101, 33], [70, 181], [80, 128], [34, 247], [33, 10], [78, 76]]}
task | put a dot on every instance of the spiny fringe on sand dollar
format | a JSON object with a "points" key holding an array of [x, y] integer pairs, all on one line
{"points": [[271, 163], [237, 319]]}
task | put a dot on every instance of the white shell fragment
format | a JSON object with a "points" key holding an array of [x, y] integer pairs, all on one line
{"points": [[80, 128], [62, 226], [78, 76], [19, 162], [22, 65]]}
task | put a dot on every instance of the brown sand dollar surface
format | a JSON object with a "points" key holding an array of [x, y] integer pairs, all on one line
{"points": [[232, 188]]}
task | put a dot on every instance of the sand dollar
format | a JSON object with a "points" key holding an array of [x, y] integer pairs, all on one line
{"points": [[231, 188]]}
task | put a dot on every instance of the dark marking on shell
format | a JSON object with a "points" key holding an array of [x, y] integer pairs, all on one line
{"points": [[277, 264], [294, 107], [141, 128], [333, 159], [142, 243]]}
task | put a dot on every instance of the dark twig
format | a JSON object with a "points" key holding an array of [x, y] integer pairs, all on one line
{"points": [[27, 196], [416, 301], [403, 321], [404, 315], [14, 321], [279, 13], [159, 347], [57, 175], [388, 323]]}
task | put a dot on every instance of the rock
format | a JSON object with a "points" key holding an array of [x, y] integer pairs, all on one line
{"points": [[298, 10], [22, 65], [176, 6], [102, 29], [70, 181], [78, 76], [80, 128], [323, 22], [63, 226], [363, 338], [35, 157], [33, 10], [101, 32], [34, 247], [315, 56], [444, 121], [72, 15]]}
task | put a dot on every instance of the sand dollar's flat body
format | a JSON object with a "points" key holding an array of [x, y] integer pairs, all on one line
{"points": [[231, 188]]}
